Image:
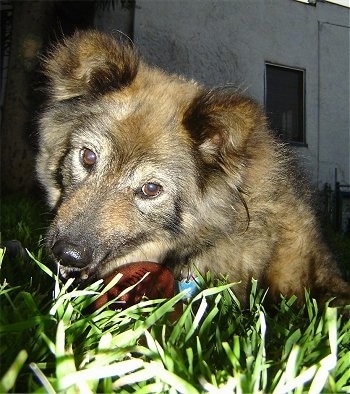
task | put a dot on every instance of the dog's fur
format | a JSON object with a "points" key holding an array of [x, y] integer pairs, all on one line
{"points": [[142, 165]]}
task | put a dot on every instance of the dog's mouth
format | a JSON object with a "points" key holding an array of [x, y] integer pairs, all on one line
{"points": [[163, 282], [80, 274], [101, 269]]}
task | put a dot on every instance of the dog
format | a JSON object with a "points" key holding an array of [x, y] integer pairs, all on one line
{"points": [[140, 165]]}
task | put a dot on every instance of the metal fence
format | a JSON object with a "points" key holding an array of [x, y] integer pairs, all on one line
{"points": [[337, 206]]}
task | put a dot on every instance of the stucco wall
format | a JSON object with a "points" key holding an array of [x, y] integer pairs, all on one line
{"points": [[219, 42], [334, 107]]}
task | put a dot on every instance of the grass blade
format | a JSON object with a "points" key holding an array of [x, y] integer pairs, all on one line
{"points": [[8, 379]]}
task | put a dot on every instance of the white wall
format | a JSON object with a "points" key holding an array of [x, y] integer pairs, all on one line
{"points": [[334, 104]]}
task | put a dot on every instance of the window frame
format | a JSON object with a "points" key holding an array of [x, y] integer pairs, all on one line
{"points": [[302, 143]]}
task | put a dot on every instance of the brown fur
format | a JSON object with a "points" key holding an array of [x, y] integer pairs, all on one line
{"points": [[229, 200]]}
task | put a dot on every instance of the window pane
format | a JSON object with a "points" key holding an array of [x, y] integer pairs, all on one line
{"points": [[284, 102]]}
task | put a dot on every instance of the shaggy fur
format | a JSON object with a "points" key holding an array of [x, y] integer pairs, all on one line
{"points": [[141, 165]]}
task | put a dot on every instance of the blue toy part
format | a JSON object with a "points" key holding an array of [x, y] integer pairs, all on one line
{"points": [[190, 286]]}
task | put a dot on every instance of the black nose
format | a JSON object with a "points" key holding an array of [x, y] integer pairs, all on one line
{"points": [[71, 254]]}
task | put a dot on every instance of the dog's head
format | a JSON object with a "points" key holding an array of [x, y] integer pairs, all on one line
{"points": [[138, 165]]}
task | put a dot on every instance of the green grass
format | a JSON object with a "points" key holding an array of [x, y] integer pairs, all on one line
{"points": [[49, 343]]}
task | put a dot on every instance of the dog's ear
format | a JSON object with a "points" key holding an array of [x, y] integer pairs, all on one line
{"points": [[89, 63], [221, 122]]}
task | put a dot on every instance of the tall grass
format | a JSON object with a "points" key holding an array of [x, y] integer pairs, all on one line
{"points": [[214, 345]]}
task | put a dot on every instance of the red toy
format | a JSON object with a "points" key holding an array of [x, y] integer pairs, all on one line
{"points": [[159, 283]]}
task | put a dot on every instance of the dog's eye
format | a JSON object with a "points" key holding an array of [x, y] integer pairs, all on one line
{"points": [[88, 157], [150, 190]]}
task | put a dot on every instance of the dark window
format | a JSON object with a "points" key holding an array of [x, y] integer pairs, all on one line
{"points": [[284, 102]]}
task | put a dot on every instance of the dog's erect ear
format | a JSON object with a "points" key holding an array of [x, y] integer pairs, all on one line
{"points": [[220, 123], [89, 63]]}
